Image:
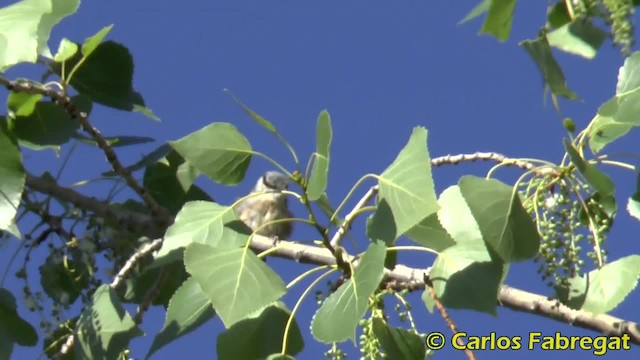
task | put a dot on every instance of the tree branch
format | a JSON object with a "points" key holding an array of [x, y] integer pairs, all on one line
{"points": [[402, 277]]}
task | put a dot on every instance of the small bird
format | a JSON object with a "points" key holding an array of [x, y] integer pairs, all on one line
{"points": [[270, 205]]}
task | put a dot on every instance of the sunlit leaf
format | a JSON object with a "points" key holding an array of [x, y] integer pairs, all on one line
{"points": [[203, 222], [318, 179], [218, 150], [13, 178], [620, 114], [478, 10], [406, 194], [25, 27], [602, 290], [237, 285], [580, 38], [339, 314], [92, 43], [499, 18]]}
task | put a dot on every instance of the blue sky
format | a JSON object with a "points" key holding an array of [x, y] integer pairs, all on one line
{"points": [[380, 68]]}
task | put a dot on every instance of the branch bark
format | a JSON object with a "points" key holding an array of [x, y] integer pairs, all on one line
{"points": [[402, 277]]}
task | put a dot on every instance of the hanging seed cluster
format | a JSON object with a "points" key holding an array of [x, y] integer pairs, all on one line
{"points": [[564, 222]]}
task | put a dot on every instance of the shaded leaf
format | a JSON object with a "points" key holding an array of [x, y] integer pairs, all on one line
{"points": [[318, 179], [218, 150], [13, 329], [49, 125], [161, 180], [465, 275], [239, 283], [540, 52], [596, 178], [260, 336], [106, 76], [398, 343], [505, 225], [104, 328], [115, 141], [339, 314], [152, 157], [188, 309]]}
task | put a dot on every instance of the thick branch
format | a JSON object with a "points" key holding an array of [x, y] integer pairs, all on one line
{"points": [[402, 277]]}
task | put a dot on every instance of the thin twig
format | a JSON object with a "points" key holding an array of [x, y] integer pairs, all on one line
{"points": [[346, 225], [158, 212]]}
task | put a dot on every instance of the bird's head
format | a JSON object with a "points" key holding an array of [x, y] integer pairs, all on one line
{"points": [[272, 181]]}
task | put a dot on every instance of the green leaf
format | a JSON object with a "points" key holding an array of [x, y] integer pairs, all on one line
{"points": [[478, 10], [466, 275], [13, 178], [398, 343], [406, 194], [188, 309], [203, 222], [499, 18], [63, 279], [430, 233], [25, 27], [596, 178], [558, 15], [104, 328], [339, 314], [318, 179], [218, 150], [238, 284], [633, 205], [620, 114], [137, 287], [162, 181], [66, 50], [505, 225], [265, 124], [22, 103], [49, 125], [13, 329], [579, 38], [601, 291], [540, 52], [260, 336], [106, 76], [115, 141], [151, 158], [92, 43]]}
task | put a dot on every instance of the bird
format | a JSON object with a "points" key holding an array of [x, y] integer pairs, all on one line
{"points": [[270, 205]]}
